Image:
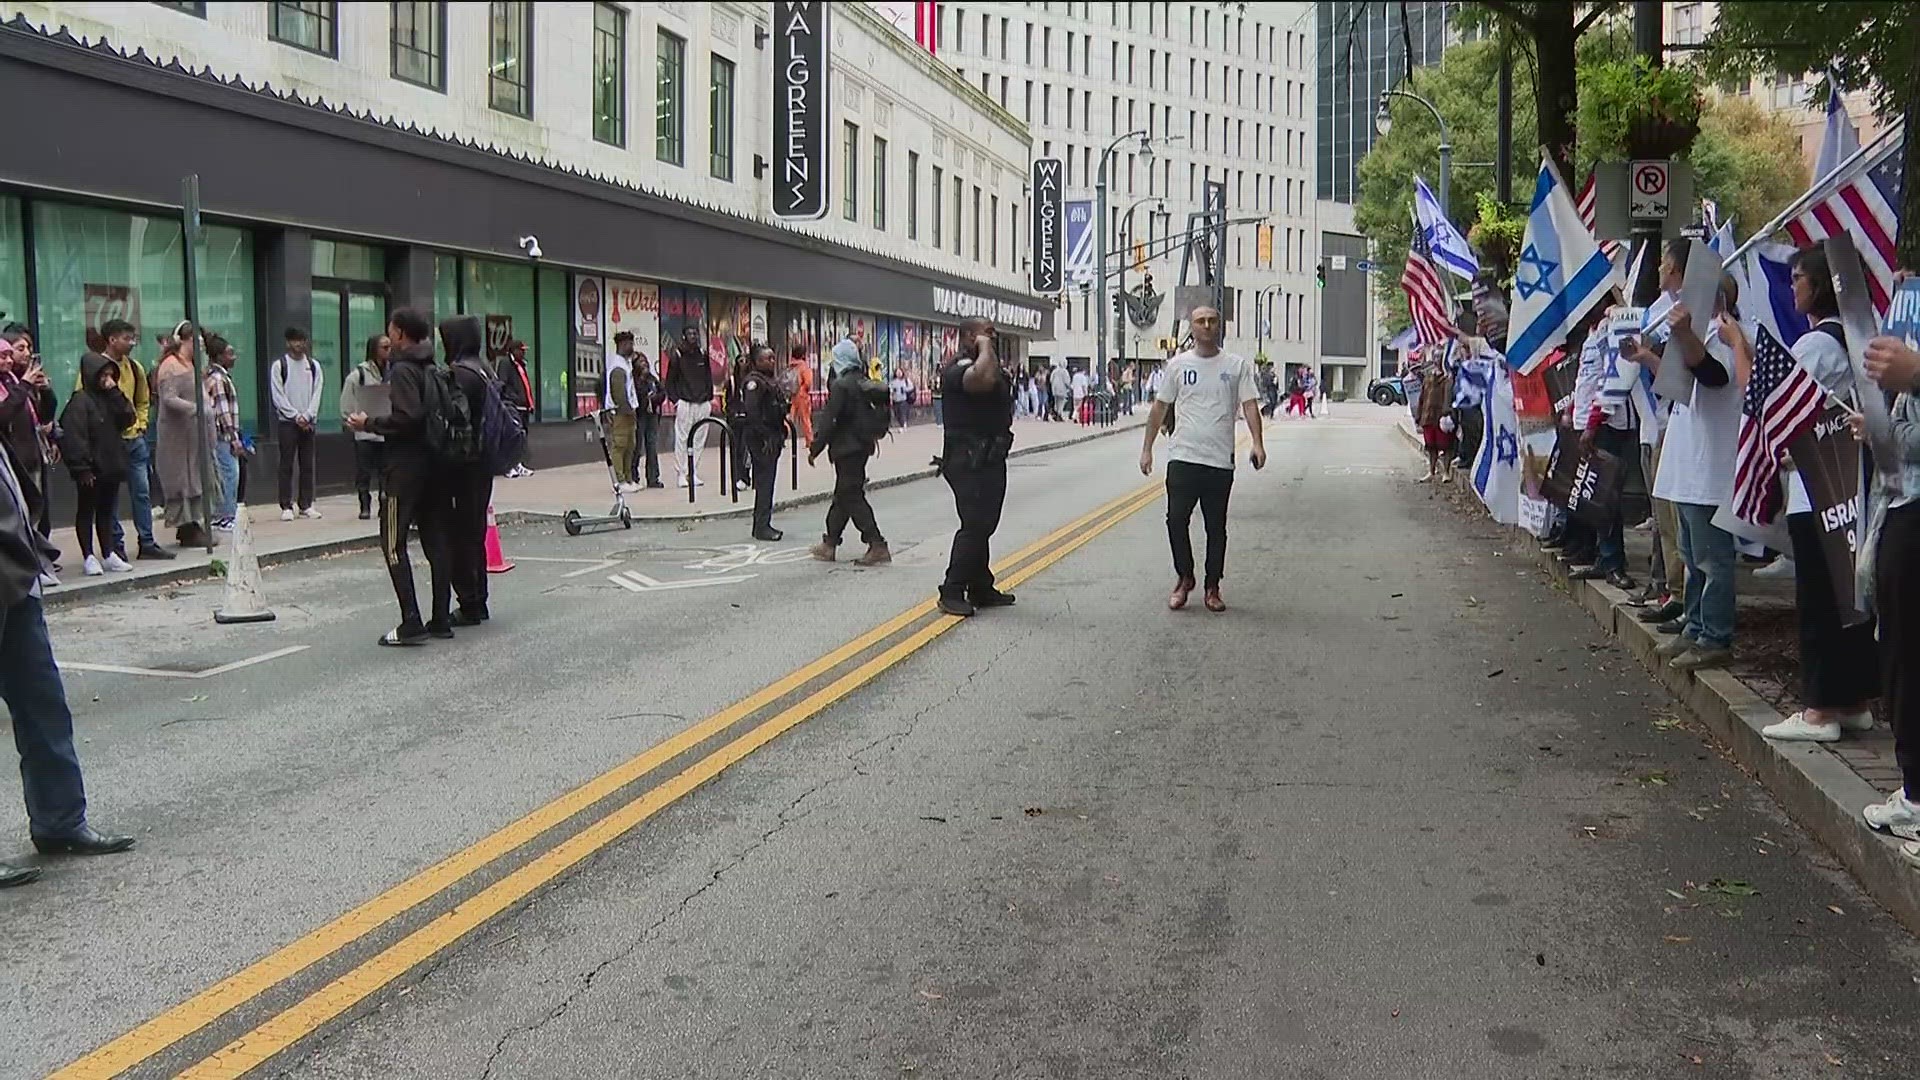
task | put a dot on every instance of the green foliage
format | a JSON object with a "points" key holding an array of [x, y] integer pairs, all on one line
{"points": [[1749, 161], [1497, 234], [1620, 98]]}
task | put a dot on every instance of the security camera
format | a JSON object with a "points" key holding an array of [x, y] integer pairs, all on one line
{"points": [[531, 245]]}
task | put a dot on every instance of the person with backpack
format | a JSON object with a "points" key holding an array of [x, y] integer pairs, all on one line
{"points": [[621, 397], [651, 396], [470, 483], [763, 415], [355, 397], [296, 390], [852, 424], [415, 490]]}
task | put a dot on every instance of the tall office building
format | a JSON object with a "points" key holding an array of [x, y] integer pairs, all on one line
{"points": [[1223, 91]]}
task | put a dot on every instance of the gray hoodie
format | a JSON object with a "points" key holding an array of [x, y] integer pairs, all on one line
{"points": [[354, 397]]}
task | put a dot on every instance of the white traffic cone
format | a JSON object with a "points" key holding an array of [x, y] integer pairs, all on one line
{"points": [[245, 602]]}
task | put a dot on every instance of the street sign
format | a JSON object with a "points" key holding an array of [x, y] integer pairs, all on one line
{"points": [[1336, 262], [801, 62], [1079, 233], [1049, 226], [1648, 190], [1365, 266]]}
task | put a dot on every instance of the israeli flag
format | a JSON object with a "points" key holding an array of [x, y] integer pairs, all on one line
{"points": [[1472, 381], [1766, 292], [1561, 275], [1496, 469], [1721, 242], [1449, 248]]}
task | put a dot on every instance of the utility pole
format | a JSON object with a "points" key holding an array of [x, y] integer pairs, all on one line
{"points": [[1647, 35], [1503, 156]]}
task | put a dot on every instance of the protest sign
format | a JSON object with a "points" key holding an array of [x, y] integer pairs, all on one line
{"points": [[1827, 457]]}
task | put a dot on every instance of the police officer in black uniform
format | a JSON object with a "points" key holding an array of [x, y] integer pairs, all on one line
{"points": [[763, 419], [978, 397]]}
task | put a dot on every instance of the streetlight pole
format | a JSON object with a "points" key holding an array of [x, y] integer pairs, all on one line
{"points": [[1259, 316], [1100, 241], [1383, 121], [1126, 255]]}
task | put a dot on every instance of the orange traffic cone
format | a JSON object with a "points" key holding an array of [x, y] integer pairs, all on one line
{"points": [[496, 559]]}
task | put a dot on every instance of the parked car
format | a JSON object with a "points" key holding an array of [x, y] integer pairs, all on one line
{"points": [[1391, 390]]}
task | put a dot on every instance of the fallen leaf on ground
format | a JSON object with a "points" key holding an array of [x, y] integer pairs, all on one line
{"points": [[1835, 910], [1657, 778], [1678, 940], [1730, 887], [930, 995]]}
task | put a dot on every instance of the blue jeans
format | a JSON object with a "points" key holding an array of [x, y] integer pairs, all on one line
{"points": [[228, 468], [139, 455], [42, 726], [1708, 552]]}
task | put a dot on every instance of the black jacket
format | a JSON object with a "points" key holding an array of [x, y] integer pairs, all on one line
{"points": [[763, 411], [689, 376], [463, 337], [515, 384], [833, 428], [17, 429], [90, 439], [405, 425]]}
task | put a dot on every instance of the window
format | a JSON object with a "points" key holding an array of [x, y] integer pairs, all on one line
{"points": [[1028, 114], [1046, 45], [959, 189], [1069, 52], [419, 43], [934, 207], [1153, 65], [1029, 33], [720, 118], [976, 223], [986, 26], [306, 26], [1046, 105], [879, 183], [1013, 232], [850, 190], [993, 230], [669, 115], [1069, 108], [1086, 51], [510, 57], [1113, 62], [913, 195], [1003, 91], [185, 9], [609, 74]]}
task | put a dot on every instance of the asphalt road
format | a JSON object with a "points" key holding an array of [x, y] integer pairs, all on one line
{"points": [[1402, 811]]}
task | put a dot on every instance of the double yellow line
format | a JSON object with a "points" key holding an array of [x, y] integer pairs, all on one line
{"points": [[307, 1015]]}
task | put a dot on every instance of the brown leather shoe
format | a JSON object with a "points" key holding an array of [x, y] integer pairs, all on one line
{"points": [[1181, 590], [1214, 603], [823, 551], [877, 554]]}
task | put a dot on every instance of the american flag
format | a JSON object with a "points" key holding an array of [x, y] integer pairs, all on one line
{"points": [[1584, 203], [926, 18], [1781, 401], [1864, 200], [1426, 294]]}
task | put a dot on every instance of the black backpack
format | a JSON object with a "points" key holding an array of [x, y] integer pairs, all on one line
{"points": [[503, 438], [450, 431], [872, 411]]}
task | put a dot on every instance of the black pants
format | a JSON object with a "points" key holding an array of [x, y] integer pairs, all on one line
{"points": [[93, 514], [470, 490], [414, 494], [765, 459], [1897, 598], [296, 450], [978, 496], [850, 502], [646, 430], [1837, 663], [1053, 407], [367, 458], [1187, 484]]}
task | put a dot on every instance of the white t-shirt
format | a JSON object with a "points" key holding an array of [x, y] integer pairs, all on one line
{"points": [[1080, 384], [1827, 362], [1697, 459], [1207, 392]]}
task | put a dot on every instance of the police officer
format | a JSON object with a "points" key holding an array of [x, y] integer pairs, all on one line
{"points": [[978, 397], [763, 420]]}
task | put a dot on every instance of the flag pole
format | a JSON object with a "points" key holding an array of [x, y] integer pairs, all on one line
{"points": [[1818, 190]]}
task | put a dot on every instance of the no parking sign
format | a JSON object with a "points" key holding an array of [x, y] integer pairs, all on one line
{"points": [[1649, 190]]}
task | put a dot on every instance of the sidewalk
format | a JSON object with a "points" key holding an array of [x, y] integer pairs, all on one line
{"points": [[1823, 786], [547, 496]]}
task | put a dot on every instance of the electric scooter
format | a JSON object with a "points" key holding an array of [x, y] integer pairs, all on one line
{"points": [[575, 522]]}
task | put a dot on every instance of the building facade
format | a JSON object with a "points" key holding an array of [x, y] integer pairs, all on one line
{"points": [[564, 171], [1223, 92]]}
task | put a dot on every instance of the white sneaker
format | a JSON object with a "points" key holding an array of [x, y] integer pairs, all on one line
{"points": [[223, 525], [91, 567], [1911, 852], [286, 515], [48, 580], [115, 563], [1896, 815], [1779, 569], [1860, 721], [311, 514], [1797, 728]]}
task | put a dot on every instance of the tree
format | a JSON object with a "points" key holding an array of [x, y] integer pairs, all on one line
{"points": [[1549, 31], [1860, 44], [1748, 160]]}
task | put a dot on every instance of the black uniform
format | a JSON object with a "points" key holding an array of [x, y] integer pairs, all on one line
{"points": [[414, 492], [763, 427], [470, 486], [979, 430]]}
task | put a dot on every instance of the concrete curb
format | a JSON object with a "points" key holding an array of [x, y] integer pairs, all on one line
{"points": [[1818, 790], [122, 584]]}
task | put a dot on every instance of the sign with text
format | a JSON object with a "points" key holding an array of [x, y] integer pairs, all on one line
{"points": [[966, 305], [499, 333], [102, 304], [1049, 226], [801, 68], [1827, 457], [633, 307], [587, 308], [1080, 259], [1648, 190]]}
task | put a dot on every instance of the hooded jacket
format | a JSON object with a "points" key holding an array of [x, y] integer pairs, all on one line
{"points": [[834, 430], [91, 425], [690, 376], [353, 395], [463, 338], [405, 425], [21, 412], [24, 553]]}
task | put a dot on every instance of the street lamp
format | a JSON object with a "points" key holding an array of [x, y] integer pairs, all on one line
{"points": [[1260, 319], [1126, 255], [1383, 123], [1100, 231]]}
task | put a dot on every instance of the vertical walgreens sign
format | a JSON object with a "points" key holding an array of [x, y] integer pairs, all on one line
{"points": [[801, 63], [1049, 227]]}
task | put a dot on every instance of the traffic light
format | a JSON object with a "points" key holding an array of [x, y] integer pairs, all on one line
{"points": [[1320, 276], [1117, 301]]}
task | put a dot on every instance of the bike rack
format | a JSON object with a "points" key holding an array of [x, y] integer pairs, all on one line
{"points": [[793, 451], [726, 443]]}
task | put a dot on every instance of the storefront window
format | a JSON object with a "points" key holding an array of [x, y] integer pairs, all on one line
{"points": [[354, 262], [549, 356], [446, 287], [13, 265], [227, 308], [501, 295]]}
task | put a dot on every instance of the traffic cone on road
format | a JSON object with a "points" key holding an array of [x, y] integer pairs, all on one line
{"points": [[245, 601], [496, 559]]}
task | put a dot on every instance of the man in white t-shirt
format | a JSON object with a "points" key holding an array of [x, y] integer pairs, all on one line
{"points": [[1209, 388], [1082, 386]]}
